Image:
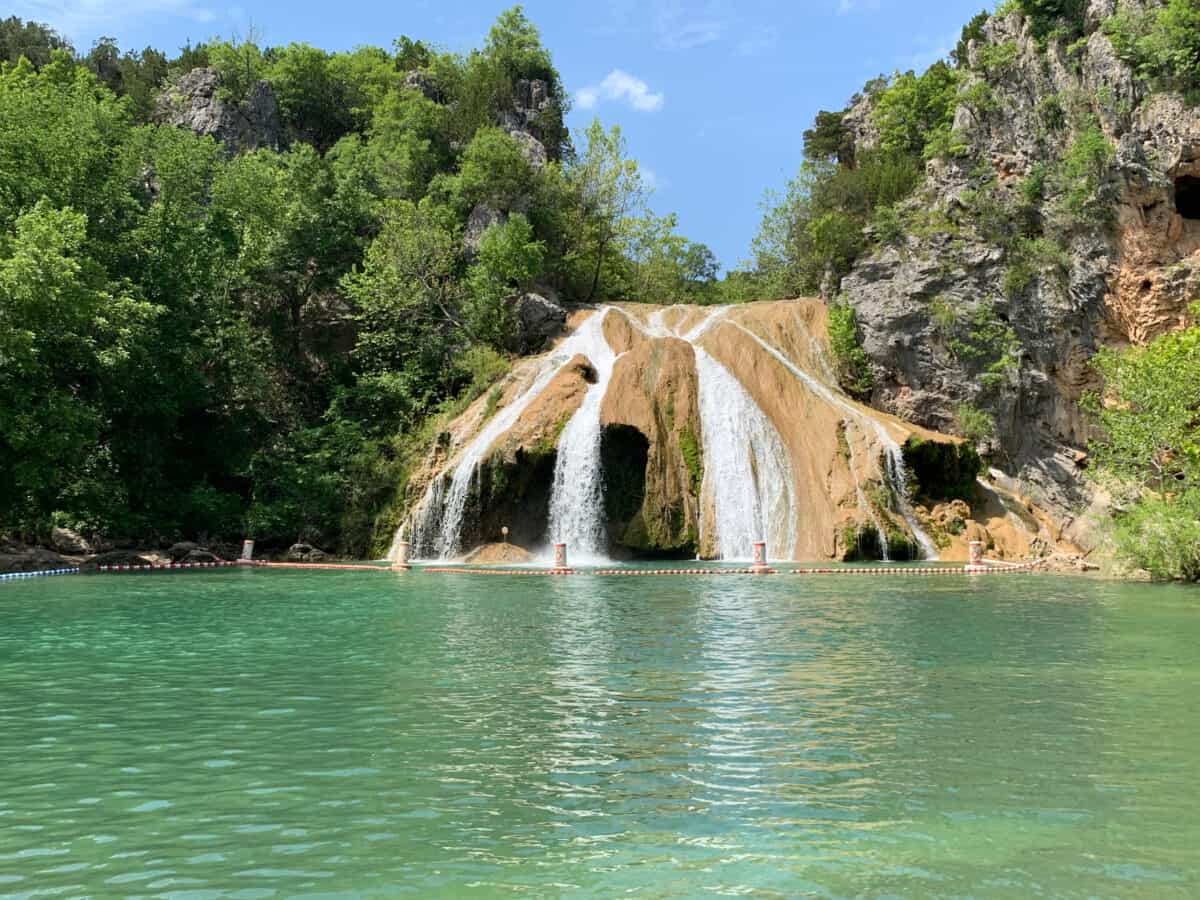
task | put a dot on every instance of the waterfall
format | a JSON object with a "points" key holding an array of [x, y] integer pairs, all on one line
{"points": [[748, 490], [747, 473], [748, 482], [863, 505], [440, 513], [898, 476], [577, 498], [894, 469]]}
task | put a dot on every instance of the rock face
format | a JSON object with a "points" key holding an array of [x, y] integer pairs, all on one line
{"points": [[665, 462], [539, 319], [192, 103], [526, 122], [20, 558], [942, 317]]}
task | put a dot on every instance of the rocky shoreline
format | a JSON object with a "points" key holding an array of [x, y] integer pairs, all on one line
{"points": [[66, 548]]}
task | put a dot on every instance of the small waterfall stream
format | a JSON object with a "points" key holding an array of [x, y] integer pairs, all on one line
{"points": [[748, 484], [894, 468], [577, 498], [439, 516], [747, 473]]}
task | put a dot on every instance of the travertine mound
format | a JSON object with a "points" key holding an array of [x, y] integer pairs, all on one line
{"points": [[658, 493]]}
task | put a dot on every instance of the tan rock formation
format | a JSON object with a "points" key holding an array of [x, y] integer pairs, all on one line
{"points": [[652, 444], [653, 390]]}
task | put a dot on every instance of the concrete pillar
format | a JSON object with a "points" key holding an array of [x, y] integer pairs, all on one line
{"points": [[975, 554], [400, 563], [760, 557], [560, 556], [247, 556]]}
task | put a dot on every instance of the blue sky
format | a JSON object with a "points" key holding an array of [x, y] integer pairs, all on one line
{"points": [[713, 96]]}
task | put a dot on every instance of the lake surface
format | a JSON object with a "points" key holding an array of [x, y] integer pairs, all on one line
{"points": [[256, 734]]}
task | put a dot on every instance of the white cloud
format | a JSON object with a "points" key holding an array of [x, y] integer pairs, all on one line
{"points": [[619, 85], [82, 20]]}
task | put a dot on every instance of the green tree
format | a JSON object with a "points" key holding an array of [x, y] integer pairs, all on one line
{"points": [[827, 139], [64, 337], [913, 111], [33, 41], [239, 66], [610, 191], [1149, 415], [509, 260]]}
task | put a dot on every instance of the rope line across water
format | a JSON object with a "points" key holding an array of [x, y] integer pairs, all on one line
{"points": [[12, 576], [888, 572]]}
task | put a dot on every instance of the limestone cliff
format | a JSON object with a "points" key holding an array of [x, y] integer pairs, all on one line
{"points": [[997, 294]]}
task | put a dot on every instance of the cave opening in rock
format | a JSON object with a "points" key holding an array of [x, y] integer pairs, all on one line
{"points": [[624, 452], [1187, 196]]}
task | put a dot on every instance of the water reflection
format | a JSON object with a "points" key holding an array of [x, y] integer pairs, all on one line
{"points": [[295, 733]]}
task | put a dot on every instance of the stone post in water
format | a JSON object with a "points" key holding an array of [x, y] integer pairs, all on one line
{"points": [[560, 557], [975, 555], [400, 563], [760, 558], [247, 556]]}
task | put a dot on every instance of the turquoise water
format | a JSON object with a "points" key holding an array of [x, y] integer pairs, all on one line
{"points": [[255, 734]]}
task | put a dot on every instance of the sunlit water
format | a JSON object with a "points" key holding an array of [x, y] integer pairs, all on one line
{"points": [[255, 734]]}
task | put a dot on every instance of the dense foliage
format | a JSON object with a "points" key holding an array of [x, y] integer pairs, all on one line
{"points": [[1150, 451], [197, 342], [1162, 44]]}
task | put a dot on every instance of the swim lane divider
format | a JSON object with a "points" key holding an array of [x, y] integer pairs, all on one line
{"points": [[976, 565], [13, 576]]}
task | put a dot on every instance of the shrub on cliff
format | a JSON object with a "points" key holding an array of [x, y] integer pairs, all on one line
{"points": [[1150, 449]]}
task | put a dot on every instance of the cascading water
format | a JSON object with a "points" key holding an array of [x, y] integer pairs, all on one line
{"points": [[440, 513], [577, 498], [894, 468], [747, 473], [748, 482], [748, 488], [863, 505]]}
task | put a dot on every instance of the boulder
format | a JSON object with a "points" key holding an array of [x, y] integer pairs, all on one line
{"points": [[20, 558], [532, 149], [200, 555], [481, 218], [178, 552], [539, 320], [192, 102], [423, 84], [64, 540], [498, 554], [305, 553]]}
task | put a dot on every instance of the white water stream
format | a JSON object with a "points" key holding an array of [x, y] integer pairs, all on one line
{"points": [[443, 506], [577, 499], [895, 471]]}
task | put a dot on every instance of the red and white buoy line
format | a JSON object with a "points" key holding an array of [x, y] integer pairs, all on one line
{"points": [[976, 566], [164, 567]]}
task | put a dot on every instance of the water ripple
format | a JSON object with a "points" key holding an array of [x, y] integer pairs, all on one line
{"points": [[254, 734]]}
